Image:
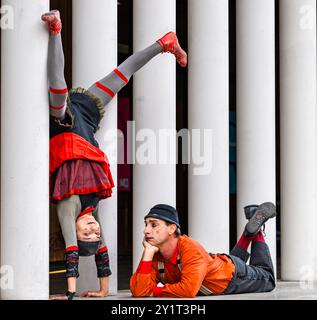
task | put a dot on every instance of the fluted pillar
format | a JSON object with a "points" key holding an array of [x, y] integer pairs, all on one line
{"points": [[208, 115], [298, 139], [24, 151], [154, 179], [256, 110]]}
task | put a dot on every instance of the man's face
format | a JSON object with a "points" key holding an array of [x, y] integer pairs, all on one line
{"points": [[156, 232], [87, 228]]}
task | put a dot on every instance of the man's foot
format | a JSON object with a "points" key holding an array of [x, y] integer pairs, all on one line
{"points": [[249, 210], [169, 43], [53, 20], [263, 213]]}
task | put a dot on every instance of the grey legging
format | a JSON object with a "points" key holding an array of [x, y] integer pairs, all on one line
{"points": [[104, 89]]}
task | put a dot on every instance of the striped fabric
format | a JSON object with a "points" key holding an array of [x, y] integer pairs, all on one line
{"points": [[119, 74], [58, 107], [58, 91], [105, 89]]}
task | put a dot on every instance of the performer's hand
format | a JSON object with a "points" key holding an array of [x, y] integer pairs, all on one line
{"points": [[149, 247], [96, 294], [58, 297]]}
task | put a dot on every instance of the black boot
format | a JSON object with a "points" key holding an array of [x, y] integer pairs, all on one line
{"points": [[249, 210], [263, 213]]}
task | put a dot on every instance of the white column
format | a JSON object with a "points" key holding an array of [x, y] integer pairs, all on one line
{"points": [[255, 38], [154, 109], [208, 109], [24, 151], [298, 139], [94, 56]]}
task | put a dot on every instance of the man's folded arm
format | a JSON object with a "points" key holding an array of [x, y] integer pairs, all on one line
{"points": [[194, 270], [144, 280]]}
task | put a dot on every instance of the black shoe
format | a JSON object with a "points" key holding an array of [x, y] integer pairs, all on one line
{"points": [[263, 213], [249, 210]]}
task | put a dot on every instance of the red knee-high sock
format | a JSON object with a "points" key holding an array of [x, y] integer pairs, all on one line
{"points": [[258, 237], [244, 242]]}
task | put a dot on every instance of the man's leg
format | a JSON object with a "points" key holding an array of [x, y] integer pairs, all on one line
{"points": [[256, 277], [240, 250], [55, 66], [261, 257], [260, 253], [106, 88], [259, 275]]}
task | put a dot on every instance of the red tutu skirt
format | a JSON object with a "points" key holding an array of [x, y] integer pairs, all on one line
{"points": [[81, 176]]}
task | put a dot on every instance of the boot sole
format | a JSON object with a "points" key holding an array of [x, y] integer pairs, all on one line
{"points": [[264, 212]]}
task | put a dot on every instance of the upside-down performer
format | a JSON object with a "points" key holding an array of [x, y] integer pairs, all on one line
{"points": [[80, 175]]}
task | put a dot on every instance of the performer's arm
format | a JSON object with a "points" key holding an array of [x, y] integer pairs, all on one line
{"points": [[194, 270], [66, 212], [71, 284], [103, 292], [145, 278]]}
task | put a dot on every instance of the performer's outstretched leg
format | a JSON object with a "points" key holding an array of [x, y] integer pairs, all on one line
{"points": [[106, 88], [55, 65]]}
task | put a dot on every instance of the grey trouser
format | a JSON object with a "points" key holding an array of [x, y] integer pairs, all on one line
{"points": [[258, 276]]}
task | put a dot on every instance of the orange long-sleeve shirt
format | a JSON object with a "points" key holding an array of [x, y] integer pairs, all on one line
{"points": [[198, 267]]}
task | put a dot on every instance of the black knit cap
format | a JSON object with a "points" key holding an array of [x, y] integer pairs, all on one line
{"points": [[164, 212], [87, 248]]}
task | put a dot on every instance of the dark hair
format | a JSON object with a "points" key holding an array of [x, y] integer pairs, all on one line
{"points": [[177, 231], [87, 248]]}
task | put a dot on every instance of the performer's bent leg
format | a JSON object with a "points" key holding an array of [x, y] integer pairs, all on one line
{"points": [[106, 88], [259, 275], [240, 253], [260, 255], [240, 250], [55, 66]]}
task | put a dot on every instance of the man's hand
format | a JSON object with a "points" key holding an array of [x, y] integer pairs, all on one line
{"points": [[147, 246], [97, 294], [149, 250]]}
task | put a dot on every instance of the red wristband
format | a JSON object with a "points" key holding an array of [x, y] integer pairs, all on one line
{"points": [[157, 291]]}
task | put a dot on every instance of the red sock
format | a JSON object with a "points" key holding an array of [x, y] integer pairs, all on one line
{"points": [[258, 237], [244, 242]]}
